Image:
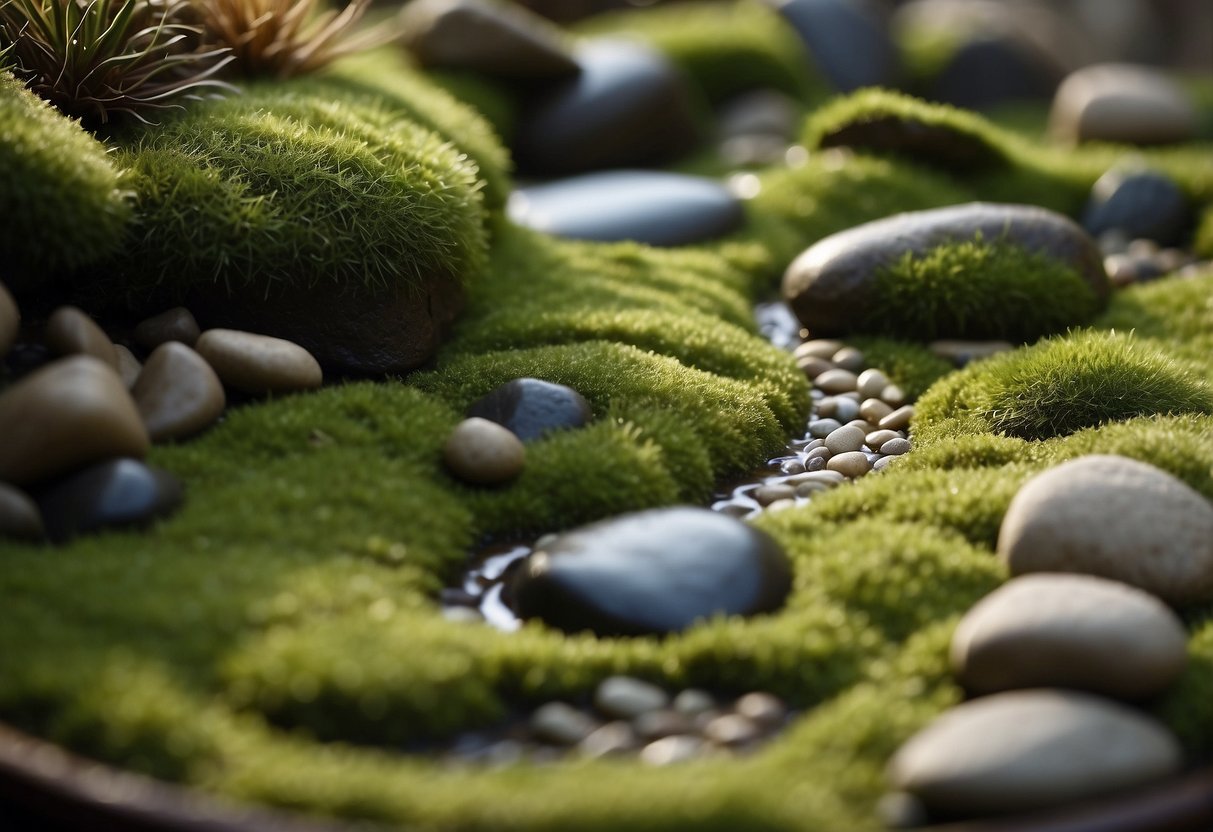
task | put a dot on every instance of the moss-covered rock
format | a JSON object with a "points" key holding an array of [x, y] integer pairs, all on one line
{"points": [[63, 202], [1060, 386]]}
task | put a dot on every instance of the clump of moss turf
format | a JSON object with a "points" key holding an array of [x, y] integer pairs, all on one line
{"points": [[63, 201], [976, 289], [280, 188], [1060, 386], [1202, 244], [724, 47]]}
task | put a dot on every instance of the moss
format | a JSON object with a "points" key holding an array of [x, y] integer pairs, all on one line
{"points": [[63, 200], [1060, 386], [977, 290], [278, 188], [1188, 707], [724, 47], [1202, 243], [492, 100]]}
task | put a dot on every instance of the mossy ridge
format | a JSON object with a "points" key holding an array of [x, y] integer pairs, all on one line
{"points": [[1059, 386], [274, 188], [64, 201], [725, 47]]}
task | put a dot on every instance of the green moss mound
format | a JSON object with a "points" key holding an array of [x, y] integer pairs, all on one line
{"points": [[280, 188], [724, 47], [977, 290], [63, 201], [1202, 244], [1060, 386]]}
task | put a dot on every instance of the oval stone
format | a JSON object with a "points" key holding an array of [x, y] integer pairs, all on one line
{"points": [[67, 414], [129, 367], [831, 283], [847, 42], [19, 515], [176, 324], [258, 363], [628, 106], [1123, 103], [660, 209], [531, 407], [71, 332], [651, 572], [178, 394], [10, 321], [120, 493], [483, 452], [1139, 203], [1032, 749], [1116, 518], [1069, 631]]}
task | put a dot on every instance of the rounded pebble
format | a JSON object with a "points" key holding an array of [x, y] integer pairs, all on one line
{"points": [[623, 697], [854, 464], [177, 393], [878, 437], [653, 725], [258, 363], [611, 739], [484, 453], [128, 366], [844, 440], [71, 332], [694, 701], [873, 410], [846, 409], [899, 419], [731, 730], [817, 348], [767, 494], [677, 749], [848, 358], [561, 724], [812, 366], [871, 383], [835, 381], [176, 324], [821, 428], [893, 396], [895, 447], [762, 708]]}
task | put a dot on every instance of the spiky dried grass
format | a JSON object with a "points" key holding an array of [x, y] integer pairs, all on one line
{"points": [[285, 38], [93, 59]]}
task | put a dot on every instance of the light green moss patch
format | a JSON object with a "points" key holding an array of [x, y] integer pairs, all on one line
{"points": [[1060, 386], [725, 47], [279, 188], [1202, 244], [63, 201]]}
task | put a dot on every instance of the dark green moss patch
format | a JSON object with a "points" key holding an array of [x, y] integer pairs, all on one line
{"points": [[63, 202], [1060, 386]]}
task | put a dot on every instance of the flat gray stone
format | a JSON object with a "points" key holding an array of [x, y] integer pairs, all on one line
{"points": [[1070, 631], [1116, 518], [660, 209], [1032, 749]]}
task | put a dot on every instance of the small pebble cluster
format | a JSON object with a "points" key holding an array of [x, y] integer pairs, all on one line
{"points": [[632, 718], [1099, 548], [78, 412]]}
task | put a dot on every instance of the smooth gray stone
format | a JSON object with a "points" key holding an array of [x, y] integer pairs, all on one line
{"points": [[832, 283], [848, 41], [651, 572], [1141, 203], [531, 407], [628, 106], [660, 209], [993, 70], [121, 493]]}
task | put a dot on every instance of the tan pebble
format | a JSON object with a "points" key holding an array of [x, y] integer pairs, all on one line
{"points": [[863, 424], [677, 749], [835, 381], [561, 724], [178, 394], [829, 478], [895, 447], [871, 383], [176, 324], [765, 709], [64, 416], [884, 462], [19, 515], [780, 505], [854, 464], [899, 419], [818, 453], [873, 410], [259, 363], [766, 494], [71, 332], [815, 444], [827, 407], [818, 348], [654, 725], [845, 439], [609, 740], [1122, 103], [10, 321], [893, 396], [731, 730], [878, 437], [849, 358], [128, 366], [484, 453], [813, 367], [807, 489]]}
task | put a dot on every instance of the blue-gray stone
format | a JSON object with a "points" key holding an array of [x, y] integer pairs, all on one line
{"points": [[847, 40], [1141, 203], [660, 209], [121, 493], [628, 106], [651, 572], [531, 407]]}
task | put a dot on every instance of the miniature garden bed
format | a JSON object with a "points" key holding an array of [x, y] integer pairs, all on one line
{"points": [[280, 643]]}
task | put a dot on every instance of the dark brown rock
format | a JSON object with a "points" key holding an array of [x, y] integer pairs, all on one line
{"points": [[501, 39], [71, 332], [10, 321], [832, 283], [69, 413], [176, 324], [350, 330], [19, 516], [629, 106], [178, 394]]}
